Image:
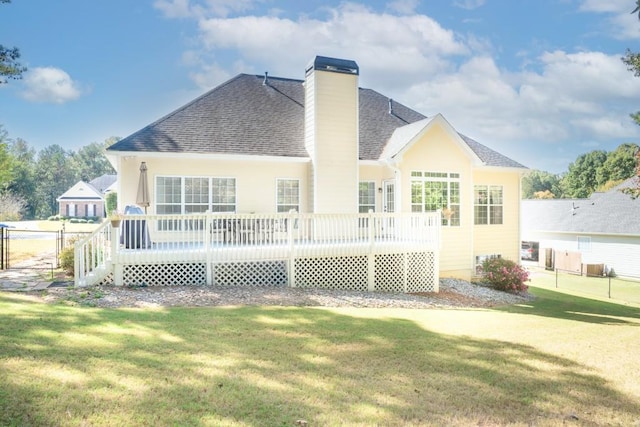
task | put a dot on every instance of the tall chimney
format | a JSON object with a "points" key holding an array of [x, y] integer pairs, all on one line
{"points": [[332, 134]]}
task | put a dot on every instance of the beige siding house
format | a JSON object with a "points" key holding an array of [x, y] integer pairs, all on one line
{"points": [[322, 145]]}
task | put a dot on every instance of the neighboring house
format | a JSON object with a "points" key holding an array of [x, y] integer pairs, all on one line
{"points": [[603, 229], [104, 183], [261, 144], [86, 199]]}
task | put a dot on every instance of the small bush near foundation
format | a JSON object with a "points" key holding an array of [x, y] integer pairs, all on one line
{"points": [[504, 275], [67, 260]]}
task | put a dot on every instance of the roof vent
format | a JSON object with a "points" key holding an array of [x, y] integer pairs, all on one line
{"points": [[265, 82], [390, 106]]}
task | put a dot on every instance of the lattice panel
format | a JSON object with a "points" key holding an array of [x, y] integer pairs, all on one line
{"points": [[164, 274], [389, 273], [421, 274], [265, 273], [346, 273], [107, 281]]}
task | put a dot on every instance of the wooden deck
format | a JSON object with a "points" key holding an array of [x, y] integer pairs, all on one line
{"points": [[369, 250]]}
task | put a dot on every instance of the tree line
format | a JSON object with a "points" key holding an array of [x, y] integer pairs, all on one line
{"points": [[597, 170], [31, 181]]}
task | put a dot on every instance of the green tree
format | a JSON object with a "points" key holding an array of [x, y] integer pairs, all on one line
{"points": [[24, 182], [54, 175], [6, 162], [580, 181], [89, 162], [538, 181], [10, 68], [620, 165]]}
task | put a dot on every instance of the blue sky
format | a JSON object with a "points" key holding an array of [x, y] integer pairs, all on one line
{"points": [[538, 80]]}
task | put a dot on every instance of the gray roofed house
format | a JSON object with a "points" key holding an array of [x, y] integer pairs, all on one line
{"points": [[323, 145], [104, 183], [604, 228]]}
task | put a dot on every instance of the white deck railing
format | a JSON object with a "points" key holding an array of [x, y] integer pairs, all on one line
{"points": [[215, 238]]}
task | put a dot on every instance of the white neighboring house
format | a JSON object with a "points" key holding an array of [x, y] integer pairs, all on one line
{"points": [[604, 228], [86, 199]]}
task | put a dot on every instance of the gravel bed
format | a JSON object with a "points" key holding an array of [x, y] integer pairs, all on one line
{"points": [[453, 293]]}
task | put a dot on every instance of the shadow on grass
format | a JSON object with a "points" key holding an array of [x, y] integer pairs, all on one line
{"points": [[559, 305], [272, 366]]}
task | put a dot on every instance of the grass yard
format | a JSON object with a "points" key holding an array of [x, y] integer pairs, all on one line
{"points": [[561, 359], [616, 288]]}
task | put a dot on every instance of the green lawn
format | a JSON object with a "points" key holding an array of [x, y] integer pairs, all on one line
{"points": [[616, 288], [561, 359]]}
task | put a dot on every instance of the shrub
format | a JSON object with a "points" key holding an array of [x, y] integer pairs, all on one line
{"points": [[67, 257], [504, 275]]}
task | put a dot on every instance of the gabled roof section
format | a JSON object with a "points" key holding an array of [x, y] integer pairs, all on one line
{"points": [[81, 191], [404, 137], [612, 212]]}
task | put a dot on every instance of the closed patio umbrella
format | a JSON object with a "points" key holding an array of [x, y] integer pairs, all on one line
{"points": [[142, 198]]}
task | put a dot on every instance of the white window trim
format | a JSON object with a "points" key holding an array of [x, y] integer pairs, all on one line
{"points": [[447, 179], [278, 180], [183, 190], [488, 205], [375, 198]]}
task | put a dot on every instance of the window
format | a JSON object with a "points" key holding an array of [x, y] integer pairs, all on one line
{"points": [[367, 196], [584, 243], [288, 195], [223, 197], [182, 195], [168, 195], [480, 259], [431, 191], [487, 207]]}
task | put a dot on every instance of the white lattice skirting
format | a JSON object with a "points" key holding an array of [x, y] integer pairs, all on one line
{"points": [[401, 272]]}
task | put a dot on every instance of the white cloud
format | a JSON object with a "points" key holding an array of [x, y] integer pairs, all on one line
{"points": [[49, 84], [174, 8], [203, 8], [581, 96], [403, 7], [408, 46], [469, 4], [622, 24], [553, 98], [615, 6]]}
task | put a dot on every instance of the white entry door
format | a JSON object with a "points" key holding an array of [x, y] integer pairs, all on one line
{"points": [[388, 206], [389, 196]]}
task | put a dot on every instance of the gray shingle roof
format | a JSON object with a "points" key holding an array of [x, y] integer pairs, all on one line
{"points": [[245, 116], [102, 183], [613, 212]]}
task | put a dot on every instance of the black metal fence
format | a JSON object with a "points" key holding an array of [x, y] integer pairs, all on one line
{"points": [[33, 249]]}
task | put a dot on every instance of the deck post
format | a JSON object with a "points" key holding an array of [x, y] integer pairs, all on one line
{"points": [[208, 244], [291, 273], [116, 265], [371, 258]]}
